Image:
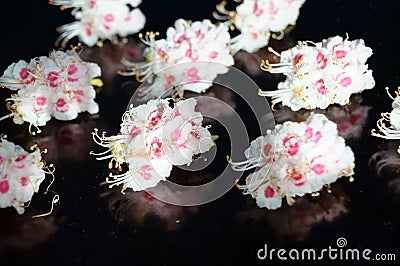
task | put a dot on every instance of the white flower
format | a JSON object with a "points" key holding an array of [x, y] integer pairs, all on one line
{"points": [[326, 73], [21, 174], [258, 20], [294, 160], [392, 130], [55, 86], [186, 42], [98, 20], [153, 138]]}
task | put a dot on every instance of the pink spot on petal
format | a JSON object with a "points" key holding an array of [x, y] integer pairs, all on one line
{"points": [[53, 78], [340, 54], [273, 8], [181, 39], [4, 186], [88, 29], [144, 171], [146, 167], [170, 82], [257, 10], [23, 181], [297, 58], [345, 82], [269, 192], [162, 53], [61, 102], [267, 149], [319, 169], [296, 176], [109, 17], [92, 3], [20, 158], [192, 72], [293, 149], [321, 87], [24, 73], [61, 105], [317, 136], [176, 135], [308, 133], [128, 18], [321, 60], [213, 54], [135, 131], [73, 69], [195, 134], [41, 100], [156, 148]]}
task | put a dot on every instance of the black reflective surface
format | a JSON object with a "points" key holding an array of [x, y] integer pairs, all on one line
{"points": [[94, 225]]}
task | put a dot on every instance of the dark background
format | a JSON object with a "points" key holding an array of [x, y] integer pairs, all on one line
{"points": [[82, 231]]}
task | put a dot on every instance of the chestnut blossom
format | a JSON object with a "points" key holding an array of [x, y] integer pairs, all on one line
{"points": [[392, 129], [321, 74], [59, 86], [186, 42], [21, 174], [99, 20], [258, 20], [154, 137], [294, 160]]}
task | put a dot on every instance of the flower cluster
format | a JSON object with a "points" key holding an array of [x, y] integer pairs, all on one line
{"points": [[258, 20], [393, 118], [321, 74], [186, 42], [153, 138], [59, 86], [294, 160], [99, 20], [21, 174]]}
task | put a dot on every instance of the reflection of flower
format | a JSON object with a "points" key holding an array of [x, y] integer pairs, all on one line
{"points": [[98, 20], [153, 138], [250, 62], [71, 141], [21, 174], [222, 103], [386, 164], [325, 73], [109, 57], [136, 208], [199, 41], [387, 159], [308, 156], [21, 232], [295, 222], [58, 85], [258, 20], [350, 119]]}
